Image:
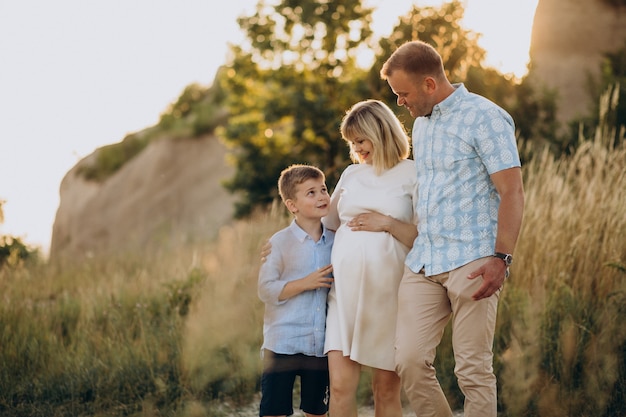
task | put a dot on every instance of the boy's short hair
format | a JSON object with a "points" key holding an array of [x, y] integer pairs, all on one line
{"points": [[295, 175]]}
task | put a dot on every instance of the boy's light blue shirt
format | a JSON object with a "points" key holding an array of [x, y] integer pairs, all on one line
{"points": [[297, 324], [465, 140]]}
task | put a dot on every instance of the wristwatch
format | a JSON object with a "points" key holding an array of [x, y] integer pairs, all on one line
{"points": [[506, 257]]}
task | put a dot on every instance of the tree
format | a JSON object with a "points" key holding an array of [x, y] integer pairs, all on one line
{"points": [[287, 90]]}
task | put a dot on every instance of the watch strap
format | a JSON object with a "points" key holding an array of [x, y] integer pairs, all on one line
{"points": [[506, 257]]}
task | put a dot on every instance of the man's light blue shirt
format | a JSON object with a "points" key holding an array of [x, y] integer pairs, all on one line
{"points": [[465, 140], [297, 324]]}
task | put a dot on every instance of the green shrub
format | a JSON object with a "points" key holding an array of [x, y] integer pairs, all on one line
{"points": [[110, 158]]}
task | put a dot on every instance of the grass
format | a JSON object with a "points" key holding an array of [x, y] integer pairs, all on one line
{"points": [[178, 334]]}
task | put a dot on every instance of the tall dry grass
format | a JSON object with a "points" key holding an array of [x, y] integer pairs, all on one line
{"points": [[562, 334], [223, 333], [172, 332]]}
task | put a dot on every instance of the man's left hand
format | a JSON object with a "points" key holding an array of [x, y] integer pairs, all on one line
{"points": [[493, 272]]}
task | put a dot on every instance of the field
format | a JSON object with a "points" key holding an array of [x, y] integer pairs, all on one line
{"points": [[178, 334]]}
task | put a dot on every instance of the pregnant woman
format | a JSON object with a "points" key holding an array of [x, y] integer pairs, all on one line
{"points": [[372, 213]]}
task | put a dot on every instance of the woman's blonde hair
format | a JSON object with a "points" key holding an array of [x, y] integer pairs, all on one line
{"points": [[374, 120]]}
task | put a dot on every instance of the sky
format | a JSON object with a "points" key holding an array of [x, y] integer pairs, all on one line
{"points": [[76, 75]]}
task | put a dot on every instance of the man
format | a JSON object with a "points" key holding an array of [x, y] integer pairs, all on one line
{"points": [[470, 205]]}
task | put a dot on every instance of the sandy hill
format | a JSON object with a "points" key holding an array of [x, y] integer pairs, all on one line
{"points": [[169, 194], [569, 41]]}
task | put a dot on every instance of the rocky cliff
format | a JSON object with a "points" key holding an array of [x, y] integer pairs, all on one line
{"points": [[169, 194], [569, 40]]}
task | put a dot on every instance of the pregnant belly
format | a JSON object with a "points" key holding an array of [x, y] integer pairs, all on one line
{"points": [[360, 246], [366, 265]]}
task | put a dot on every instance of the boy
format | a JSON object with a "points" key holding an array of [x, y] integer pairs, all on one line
{"points": [[293, 283]]}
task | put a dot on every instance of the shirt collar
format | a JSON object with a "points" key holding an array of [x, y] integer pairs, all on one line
{"points": [[301, 235], [446, 105]]}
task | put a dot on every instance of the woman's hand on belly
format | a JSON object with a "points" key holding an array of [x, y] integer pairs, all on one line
{"points": [[370, 222], [404, 232]]}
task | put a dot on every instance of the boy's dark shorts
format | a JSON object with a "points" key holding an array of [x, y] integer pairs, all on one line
{"points": [[277, 381]]}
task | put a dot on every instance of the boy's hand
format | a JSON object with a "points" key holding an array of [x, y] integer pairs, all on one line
{"points": [[320, 278], [317, 279]]}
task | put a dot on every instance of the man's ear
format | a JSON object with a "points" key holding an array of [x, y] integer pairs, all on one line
{"points": [[291, 206], [430, 85]]}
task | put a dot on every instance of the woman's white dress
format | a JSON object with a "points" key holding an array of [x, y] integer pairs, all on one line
{"points": [[367, 266]]}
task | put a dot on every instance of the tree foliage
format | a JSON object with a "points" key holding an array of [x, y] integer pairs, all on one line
{"points": [[197, 111], [289, 86], [13, 252], [287, 90]]}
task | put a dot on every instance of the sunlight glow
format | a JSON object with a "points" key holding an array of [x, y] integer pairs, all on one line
{"points": [[505, 26]]}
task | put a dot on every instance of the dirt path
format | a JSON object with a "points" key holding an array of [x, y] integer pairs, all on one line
{"points": [[253, 411], [369, 412]]}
